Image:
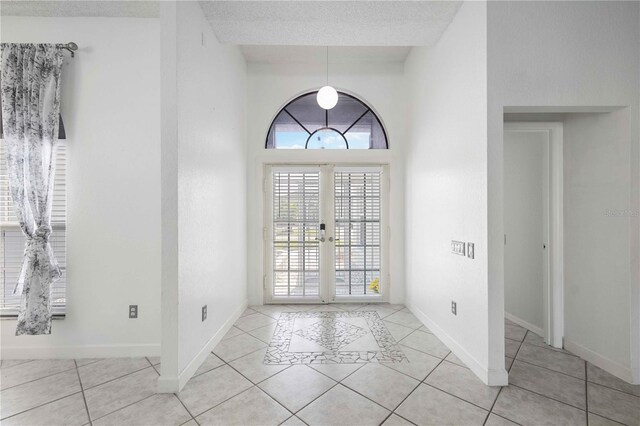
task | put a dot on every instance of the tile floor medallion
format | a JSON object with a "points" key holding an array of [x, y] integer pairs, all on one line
{"points": [[332, 338]]}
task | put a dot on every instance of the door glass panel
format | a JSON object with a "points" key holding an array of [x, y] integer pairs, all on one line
{"points": [[296, 218], [357, 204]]}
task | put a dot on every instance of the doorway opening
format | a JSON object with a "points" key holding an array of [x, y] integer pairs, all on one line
{"points": [[324, 239], [533, 225]]}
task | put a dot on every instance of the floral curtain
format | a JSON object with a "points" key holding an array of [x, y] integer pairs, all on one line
{"points": [[30, 85]]}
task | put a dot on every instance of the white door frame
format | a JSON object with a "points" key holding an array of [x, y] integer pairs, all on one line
{"points": [[327, 292], [553, 288]]}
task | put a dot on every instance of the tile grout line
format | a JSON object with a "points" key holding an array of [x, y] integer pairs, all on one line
{"points": [[130, 404], [185, 407], [216, 405], [126, 406], [547, 397], [26, 361], [338, 382], [502, 387], [134, 402], [421, 351], [291, 417], [263, 380], [613, 389], [503, 417], [120, 377], [246, 378], [545, 368], [393, 411], [84, 398], [41, 405], [314, 399], [377, 403], [549, 348], [586, 392], [326, 375], [40, 378], [421, 382], [247, 354], [493, 405]]}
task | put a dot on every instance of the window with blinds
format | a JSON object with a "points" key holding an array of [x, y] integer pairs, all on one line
{"points": [[296, 218], [13, 240], [357, 248]]}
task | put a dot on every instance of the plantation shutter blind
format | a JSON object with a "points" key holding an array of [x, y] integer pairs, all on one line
{"points": [[357, 250], [296, 226], [12, 240]]}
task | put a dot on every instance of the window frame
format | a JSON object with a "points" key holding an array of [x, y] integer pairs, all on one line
{"points": [[58, 223], [368, 109]]}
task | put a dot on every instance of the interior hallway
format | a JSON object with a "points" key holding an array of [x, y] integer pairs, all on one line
{"points": [[234, 386]]}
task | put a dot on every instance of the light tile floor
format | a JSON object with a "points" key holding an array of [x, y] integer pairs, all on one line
{"points": [[235, 387]]}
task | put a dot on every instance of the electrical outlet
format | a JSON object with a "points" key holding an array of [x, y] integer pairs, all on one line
{"points": [[457, 247], [133, 311], [454, 308], [470, 250], [204, 313]]}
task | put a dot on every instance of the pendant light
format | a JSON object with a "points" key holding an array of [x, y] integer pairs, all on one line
{"points": [[327, 96]]}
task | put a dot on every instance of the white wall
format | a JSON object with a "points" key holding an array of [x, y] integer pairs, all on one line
{"points": [[211, 190], [446, 195], [524, 169], [524, 212], [573, 56], [597, 215], [271, 87], [110, 106]]}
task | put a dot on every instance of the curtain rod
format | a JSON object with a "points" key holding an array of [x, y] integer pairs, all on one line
{"points": [[71, 47]]}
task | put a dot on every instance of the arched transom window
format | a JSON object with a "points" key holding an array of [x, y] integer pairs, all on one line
{"points": [[303, 124]]}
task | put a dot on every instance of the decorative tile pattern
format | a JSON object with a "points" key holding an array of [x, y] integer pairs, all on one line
{"points": [[345, 337], [332, 334]]}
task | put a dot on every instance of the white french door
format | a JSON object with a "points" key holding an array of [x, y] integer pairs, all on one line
{"points": [[324, 234]]}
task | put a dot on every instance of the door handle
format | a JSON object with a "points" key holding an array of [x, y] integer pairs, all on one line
{"points": [[331, 239], [321, 239]]}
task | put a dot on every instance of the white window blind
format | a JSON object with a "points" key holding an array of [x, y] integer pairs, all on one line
{"points": [[12, 239], [357, 210], [296, 218]]}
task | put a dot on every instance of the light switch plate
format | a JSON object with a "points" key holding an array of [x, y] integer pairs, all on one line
{"points": [[454, 308], [457, 247], [470, 250], [204, 313], [133, 311]]}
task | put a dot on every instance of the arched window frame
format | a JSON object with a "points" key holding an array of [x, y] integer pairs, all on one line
{"points": [[326, 126]]}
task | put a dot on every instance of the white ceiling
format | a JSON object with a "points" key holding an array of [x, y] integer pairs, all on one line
{"points": [[289, 31], [317, 54], [70, 8], [329, 23]]}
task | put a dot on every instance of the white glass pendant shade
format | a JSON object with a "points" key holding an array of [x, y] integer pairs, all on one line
{"points": [[327, 97]]}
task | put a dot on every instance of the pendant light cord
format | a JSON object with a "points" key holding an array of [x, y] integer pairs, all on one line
{"points": [[327, 65]]}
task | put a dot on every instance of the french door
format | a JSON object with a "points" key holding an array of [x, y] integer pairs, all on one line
{"points": [[324, 234]]}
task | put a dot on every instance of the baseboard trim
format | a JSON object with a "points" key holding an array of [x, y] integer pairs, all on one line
{"points": [[522, 323], [175, 384], [608, 365], [168, 384], [490, 377], [74, 352]]}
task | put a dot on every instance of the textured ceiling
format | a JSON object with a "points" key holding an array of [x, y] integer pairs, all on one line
{"points": [[330, 23], [130, 8], [317, 54]]}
